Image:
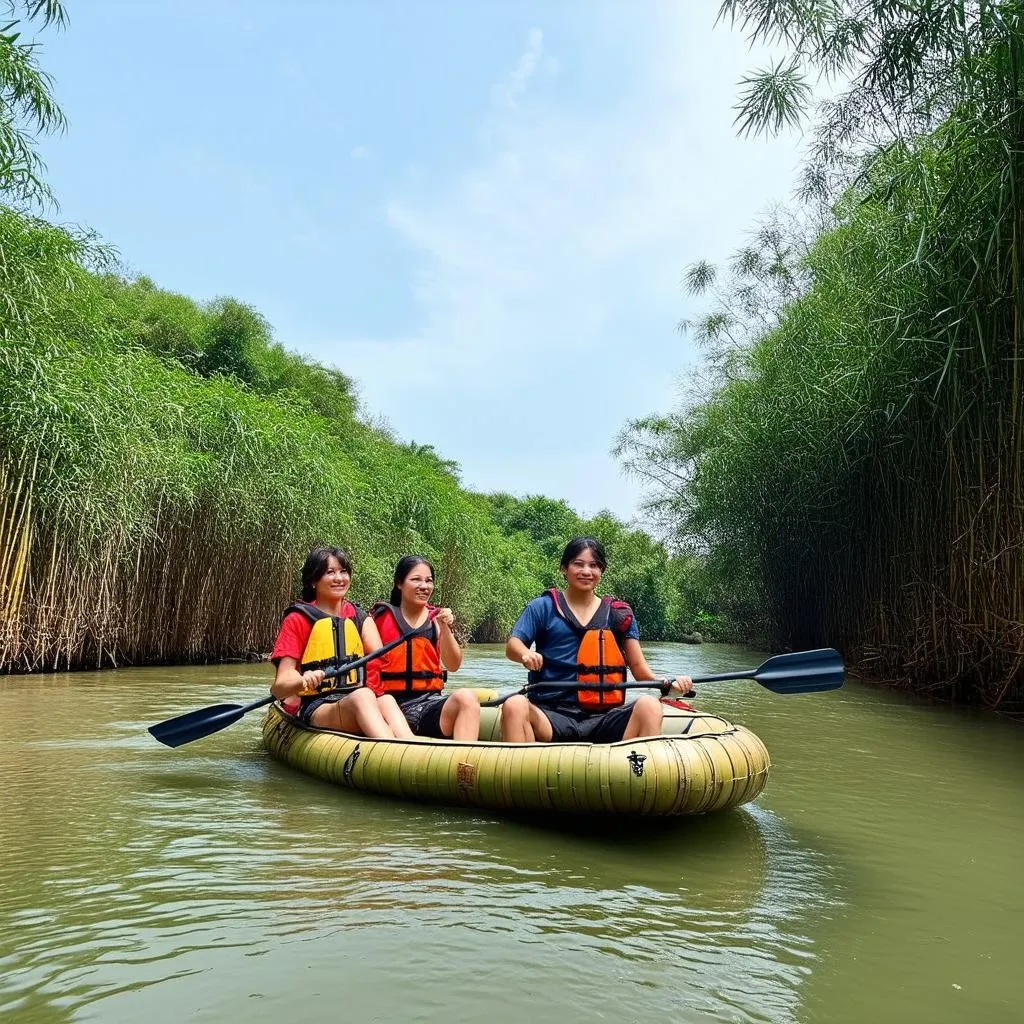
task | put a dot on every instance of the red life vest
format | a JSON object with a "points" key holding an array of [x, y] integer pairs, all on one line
{"points": [[411, 668], [599, 655]]}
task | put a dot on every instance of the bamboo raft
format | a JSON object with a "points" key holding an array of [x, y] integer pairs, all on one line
{"points": [[701, 763]]}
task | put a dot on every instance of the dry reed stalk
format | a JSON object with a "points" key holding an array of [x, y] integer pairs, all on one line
{"points": [[185, 594]]}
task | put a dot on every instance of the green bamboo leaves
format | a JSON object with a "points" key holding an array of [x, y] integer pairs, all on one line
{"points": [[852, 460], [165, 466], [27, 105]]}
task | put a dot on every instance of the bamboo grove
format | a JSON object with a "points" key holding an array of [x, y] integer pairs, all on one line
{"points": [[164, 467], [853, 462]]}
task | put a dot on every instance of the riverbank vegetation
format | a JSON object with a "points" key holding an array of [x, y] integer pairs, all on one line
{"points": [[165, 465], [27, 105], [852, 462]]}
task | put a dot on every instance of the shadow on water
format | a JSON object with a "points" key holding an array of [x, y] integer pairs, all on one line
{"points": [[723, 856]]}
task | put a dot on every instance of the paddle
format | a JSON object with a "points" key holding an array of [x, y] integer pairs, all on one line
{"points": [[799, 672], [176, 732]]}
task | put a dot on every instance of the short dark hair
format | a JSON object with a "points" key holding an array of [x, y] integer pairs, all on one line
{"points": [[580, 544], [316, 565], [406, 564]]}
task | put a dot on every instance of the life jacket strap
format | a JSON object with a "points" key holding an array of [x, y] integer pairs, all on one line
{"points": [[419, 674], [325, 663], [601, 670]]}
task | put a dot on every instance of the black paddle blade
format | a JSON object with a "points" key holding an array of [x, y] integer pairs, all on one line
{"points": [[185, 728], [803, 672]]}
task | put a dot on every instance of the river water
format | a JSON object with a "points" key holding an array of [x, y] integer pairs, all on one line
{"points": [[878, 878]]}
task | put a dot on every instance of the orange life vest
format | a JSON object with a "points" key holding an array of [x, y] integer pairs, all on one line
{"points": [[599, 657], [411, 668]]}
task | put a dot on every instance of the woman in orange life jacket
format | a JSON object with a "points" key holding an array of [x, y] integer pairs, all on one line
{"points": [[312, 630], [414, 672], [584, 638]]}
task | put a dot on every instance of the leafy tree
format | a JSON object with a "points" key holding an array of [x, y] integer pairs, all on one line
{"points": [[548, 522], [906, 67], [429, 453], [237, 336], [27, 105], [850, 467]]}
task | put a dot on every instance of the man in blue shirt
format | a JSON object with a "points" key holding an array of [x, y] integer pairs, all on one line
{"points": [[557, 625]]}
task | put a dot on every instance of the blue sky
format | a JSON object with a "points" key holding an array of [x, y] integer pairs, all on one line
{"points": [[481, 211]]}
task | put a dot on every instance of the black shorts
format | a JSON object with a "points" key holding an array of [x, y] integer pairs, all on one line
{"points": [[310, 704], [572, 724], [424, 714]]}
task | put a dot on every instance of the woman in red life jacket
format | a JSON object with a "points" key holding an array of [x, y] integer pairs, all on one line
{"points": [[414, 672], [321, 631], [580, 637]]}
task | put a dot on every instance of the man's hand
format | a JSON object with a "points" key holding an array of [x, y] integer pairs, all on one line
{"points": [[683, 685], [533, 660]]}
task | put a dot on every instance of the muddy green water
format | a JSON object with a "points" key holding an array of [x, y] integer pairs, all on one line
{"points": [[878, 878]]}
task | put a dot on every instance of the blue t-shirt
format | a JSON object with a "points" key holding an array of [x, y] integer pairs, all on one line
{"points": [[540, 624]]}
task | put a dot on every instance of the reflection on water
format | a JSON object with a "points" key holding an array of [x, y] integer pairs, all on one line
{"points": [[139, 882]]}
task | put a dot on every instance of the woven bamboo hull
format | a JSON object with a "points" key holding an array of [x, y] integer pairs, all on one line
{"points": [[703, 763]]}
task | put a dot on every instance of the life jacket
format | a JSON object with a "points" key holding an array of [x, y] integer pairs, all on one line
{"points": [[411, 668], [333, 640], [599, 655]]}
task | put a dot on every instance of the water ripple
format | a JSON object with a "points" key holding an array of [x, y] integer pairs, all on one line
{"points": [[139, 882]]}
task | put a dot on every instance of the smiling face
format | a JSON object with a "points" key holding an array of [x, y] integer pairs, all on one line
{"points": [[417, 587], [333, 585], [583, 572]]}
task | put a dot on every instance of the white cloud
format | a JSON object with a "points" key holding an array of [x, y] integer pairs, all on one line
{"points": [[506, 93], [549, 269], [360, 152]]}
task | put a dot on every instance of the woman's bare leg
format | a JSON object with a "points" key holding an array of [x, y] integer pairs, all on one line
{"points": [[460, 716], [515, 721], [356, 713], [392, 714]]}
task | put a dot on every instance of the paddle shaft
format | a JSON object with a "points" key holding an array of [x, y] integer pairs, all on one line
{"points": [[797, 672], [717, 678], [343, 670], [660, 684], [175, 732], [720, 677]]}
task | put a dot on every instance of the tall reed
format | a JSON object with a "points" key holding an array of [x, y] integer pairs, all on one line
{"points": [[165, 467], [864, 455], [858, 446]]}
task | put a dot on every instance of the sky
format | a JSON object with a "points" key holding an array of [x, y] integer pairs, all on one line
{"points": [[480, 211]]}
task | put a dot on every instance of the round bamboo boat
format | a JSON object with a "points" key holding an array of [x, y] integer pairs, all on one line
{"points": [[701, 763]]}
